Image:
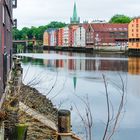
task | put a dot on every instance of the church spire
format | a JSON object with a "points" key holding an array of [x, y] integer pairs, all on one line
{"points": [[75, 19]]}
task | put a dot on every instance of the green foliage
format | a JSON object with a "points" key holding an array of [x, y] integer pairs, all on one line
{"points": [[36, 32], [20, 48], [120, 19]]}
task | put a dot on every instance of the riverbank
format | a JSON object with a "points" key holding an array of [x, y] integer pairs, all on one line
{"points": [[28, 113], [96, 50], [38, 113]]}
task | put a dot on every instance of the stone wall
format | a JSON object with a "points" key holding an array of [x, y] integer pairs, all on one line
{"points": [[17, 92]]}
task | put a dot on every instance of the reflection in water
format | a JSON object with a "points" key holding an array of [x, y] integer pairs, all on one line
{"points": [[79, 76], [134, 65]]}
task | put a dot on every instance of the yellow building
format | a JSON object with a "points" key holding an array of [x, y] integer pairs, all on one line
{"points": [[46, 39], [134, 34]]}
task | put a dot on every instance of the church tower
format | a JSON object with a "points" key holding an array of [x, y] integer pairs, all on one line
{"points": [[75, 19]]}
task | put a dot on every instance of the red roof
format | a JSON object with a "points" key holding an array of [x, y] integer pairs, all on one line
{"points": [[109, 27]]}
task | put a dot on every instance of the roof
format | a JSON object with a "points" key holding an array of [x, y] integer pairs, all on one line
{"points": [[105, 26], [51, 29], [109, 27]]}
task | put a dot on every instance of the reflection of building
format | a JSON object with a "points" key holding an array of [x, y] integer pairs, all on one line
{"points": [[134, 34], [74, 19], [134, 65]]}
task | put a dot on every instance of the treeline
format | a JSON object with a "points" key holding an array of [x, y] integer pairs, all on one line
{"points": [[120, 19], [36, 32]]}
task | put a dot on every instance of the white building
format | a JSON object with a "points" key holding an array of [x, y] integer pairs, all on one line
{"points": [[66, 36], [80, 37], [52, 37]]}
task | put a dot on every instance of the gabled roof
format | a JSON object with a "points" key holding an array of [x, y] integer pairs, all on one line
{"points": [[109, 27]]}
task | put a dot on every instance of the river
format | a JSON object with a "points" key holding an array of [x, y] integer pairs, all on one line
{"points": [[70, 79]]}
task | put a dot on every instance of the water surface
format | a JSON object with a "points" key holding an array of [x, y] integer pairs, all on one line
{"points": [[66, 78]]}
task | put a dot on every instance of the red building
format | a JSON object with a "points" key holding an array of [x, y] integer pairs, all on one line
{"points": [[106, 34], [72, 29], [60, 37]]}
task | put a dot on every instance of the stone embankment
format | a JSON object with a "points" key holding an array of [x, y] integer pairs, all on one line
{"points": [[26, 108], [35, 100], [27, 114], [40, 114]]}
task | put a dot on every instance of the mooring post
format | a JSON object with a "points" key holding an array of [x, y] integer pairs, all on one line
{"points": [[1, 130], [64, 121], [64, 124]]}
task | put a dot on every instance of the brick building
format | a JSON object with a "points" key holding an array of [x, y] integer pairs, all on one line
{"points": [[6, 23]]}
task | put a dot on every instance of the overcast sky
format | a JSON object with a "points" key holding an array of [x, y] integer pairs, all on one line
{"points": [[41, 12]]}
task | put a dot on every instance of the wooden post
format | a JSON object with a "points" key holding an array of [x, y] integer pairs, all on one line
{"points": [[64, 121], [1, 130], [21, 130]]}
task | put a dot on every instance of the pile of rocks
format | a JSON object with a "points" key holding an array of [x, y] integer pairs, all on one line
{"points": [[35, 100]]}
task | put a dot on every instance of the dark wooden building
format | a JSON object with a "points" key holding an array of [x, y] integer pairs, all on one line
{"points": [[106, 34], [6, 24]]}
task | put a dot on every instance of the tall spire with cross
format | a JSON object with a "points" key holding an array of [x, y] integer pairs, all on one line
{"points": [[75, 19]]}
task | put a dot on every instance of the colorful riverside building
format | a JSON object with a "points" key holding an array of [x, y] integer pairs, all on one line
{"points": [[46, 38], [80, 37], [66, 36], [134, 35], [50, 37], [60, 37], [72, 29], [106, 34], [6, 25]]}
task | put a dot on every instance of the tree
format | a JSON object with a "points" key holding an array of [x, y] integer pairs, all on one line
{"points": [[36, 32], [120, 19]]}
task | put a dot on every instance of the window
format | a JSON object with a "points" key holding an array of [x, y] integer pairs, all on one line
{"points": [[14, 3], [125, 29], [3, 15], [15, 23]]}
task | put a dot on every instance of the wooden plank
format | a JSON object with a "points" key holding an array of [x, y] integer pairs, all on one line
{"points": [[36, 115]]}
